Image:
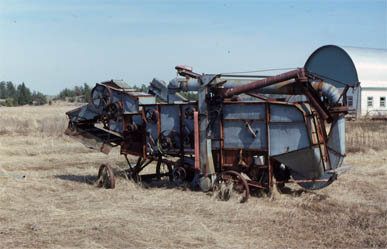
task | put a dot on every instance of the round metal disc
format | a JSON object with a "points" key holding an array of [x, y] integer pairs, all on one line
{"points": [[101, 97]]}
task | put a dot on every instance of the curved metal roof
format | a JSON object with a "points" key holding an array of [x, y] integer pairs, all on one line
{"points": [[349, 65]]}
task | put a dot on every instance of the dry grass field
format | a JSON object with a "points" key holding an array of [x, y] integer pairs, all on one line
{"points": [[57, 205]]}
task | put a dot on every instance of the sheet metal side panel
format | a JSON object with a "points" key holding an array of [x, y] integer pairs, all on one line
{"points": [[242, 111], [336, 143], [130, 104], [236, 135], [151, 128], [336, 138], [288, 131], [336, 159], [147, 100], [306, 163], [288, 137], [170, 119], [285, 113], [86, 112]]}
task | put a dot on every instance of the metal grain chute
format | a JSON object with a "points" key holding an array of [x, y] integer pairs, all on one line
{"points": [[254, 131]]}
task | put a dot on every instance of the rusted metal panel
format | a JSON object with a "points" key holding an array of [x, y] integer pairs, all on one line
{"points": [[89, 139]]}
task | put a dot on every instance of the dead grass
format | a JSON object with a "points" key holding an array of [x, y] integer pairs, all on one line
{"points": [[57, 206], [366, 134]]}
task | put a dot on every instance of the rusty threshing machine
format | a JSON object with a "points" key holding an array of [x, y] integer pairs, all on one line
{"points": [[254, 131]]}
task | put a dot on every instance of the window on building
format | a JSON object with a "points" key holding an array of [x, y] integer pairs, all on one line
{"points": [[382, 101], [350, 101], [370, 101]]}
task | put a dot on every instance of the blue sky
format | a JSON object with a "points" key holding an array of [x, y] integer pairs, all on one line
{"points": [[51, 45]]}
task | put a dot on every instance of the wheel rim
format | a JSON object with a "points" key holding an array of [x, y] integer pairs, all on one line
{"points": [[106, 177], [230, 181]]}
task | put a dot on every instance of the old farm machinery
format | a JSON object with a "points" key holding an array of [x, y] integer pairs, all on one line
{"points": [[254, 131]]}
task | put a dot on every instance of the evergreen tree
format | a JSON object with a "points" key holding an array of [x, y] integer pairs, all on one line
{"points": [[77, 91], [11, 90], [3, 90], [19, 95], [23, 95], [66, 93], [144, 88], [86, 92], [39, 97]]}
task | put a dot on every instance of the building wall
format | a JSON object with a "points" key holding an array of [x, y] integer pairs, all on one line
{"points": [[353, 101], [376, 94]]}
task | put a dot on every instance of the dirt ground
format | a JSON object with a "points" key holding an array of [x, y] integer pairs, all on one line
{"points": [[56, 204]]}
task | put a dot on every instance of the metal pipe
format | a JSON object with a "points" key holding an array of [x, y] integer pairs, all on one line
{"points": [[314, 102], [295, 74], [328, 90], [288, 87], [196, 139], [183, 84]]}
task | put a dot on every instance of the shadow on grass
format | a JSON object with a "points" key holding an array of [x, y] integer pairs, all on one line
{"points": [[302, 192], [146, 183], [165, 183], [288, 191], [89, 179]]}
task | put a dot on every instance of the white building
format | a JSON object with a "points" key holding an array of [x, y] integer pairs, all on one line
{"points": [[364, 69], [369, 100]]}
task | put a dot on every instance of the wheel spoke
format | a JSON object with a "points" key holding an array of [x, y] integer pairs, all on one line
{"points": [[230, 181]]}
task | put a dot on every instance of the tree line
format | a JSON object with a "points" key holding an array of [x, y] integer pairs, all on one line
{"points": [[14, 95], [77, 94]]}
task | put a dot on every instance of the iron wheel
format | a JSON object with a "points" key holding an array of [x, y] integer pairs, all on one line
{"points": [[106, 177]]}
